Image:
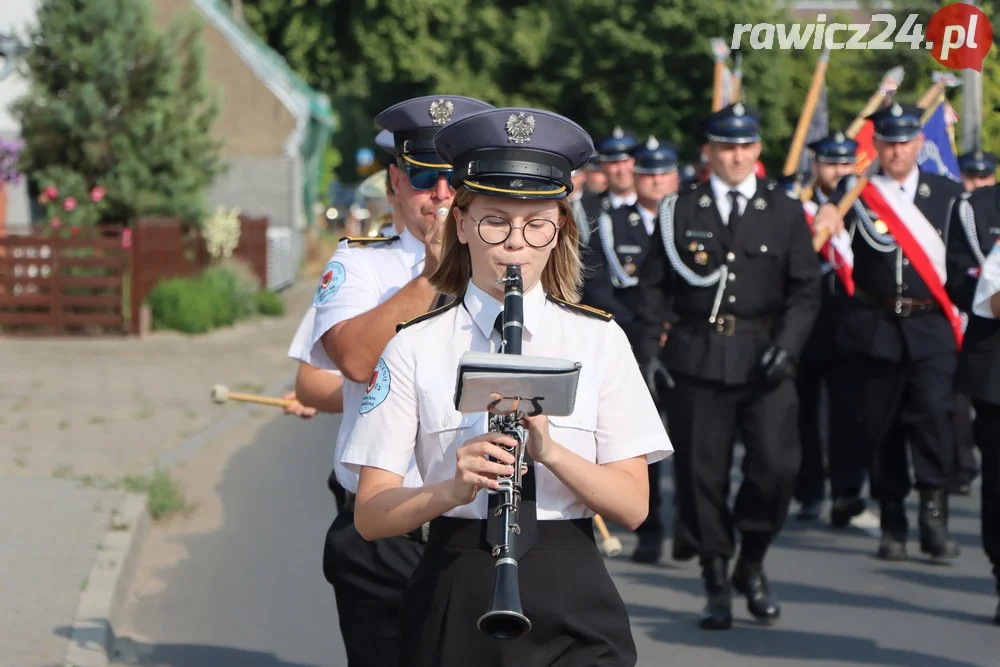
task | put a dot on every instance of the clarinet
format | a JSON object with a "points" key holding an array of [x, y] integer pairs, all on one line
{"points": [[505, 619]]}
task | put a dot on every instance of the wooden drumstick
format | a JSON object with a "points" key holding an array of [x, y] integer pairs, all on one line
{"points": [[610, 545], [220, 394]]}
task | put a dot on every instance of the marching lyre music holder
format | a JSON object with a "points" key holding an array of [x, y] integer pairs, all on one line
{"points": [[516, 384]]}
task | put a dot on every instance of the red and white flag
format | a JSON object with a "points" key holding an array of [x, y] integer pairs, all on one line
{"points": [[918, 239], [836, 250]]}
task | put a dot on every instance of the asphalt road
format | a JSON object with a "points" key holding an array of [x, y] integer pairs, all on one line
{"points": [[247, 590]]}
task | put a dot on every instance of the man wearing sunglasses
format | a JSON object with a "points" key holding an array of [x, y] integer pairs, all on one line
{"points": [[369, 286]]}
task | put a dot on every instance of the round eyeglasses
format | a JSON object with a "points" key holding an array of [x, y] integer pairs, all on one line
{"points": [[537, 233]]}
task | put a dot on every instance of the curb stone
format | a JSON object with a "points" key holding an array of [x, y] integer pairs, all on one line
{"points": [[92, 639]]}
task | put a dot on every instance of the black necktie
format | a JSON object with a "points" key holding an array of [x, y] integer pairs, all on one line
{"points": [[734, 212]]}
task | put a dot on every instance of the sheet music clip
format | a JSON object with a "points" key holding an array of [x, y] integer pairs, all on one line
{"points": [[504, 384]]}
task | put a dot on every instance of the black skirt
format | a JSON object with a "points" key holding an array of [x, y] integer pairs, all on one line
{"points": [[578, 617]]}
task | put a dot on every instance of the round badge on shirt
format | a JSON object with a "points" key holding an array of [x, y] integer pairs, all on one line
{"points": [[333, 277], [378, 388]]}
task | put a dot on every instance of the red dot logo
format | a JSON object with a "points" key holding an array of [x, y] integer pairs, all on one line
{"points": [[959, 36]]}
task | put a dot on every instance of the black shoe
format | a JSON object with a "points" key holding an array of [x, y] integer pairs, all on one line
{"points": [[810, 511], [749, 580], [895, 530], [842, 510], [934, 537], [649, 549], [718, 611]]}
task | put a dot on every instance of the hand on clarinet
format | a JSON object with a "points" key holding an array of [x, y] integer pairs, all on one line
{"points": [[540, 443], [474, 471]]}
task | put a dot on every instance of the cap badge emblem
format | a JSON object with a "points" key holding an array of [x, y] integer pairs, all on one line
{"points": [[618, 133], [839, 137], [520, 127], [652, 144], [516, 183], [896, 110], [441, 111], [738, 109]]}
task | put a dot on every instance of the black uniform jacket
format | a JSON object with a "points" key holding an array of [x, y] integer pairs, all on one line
{"points": [[978, 372], [868, 323], [771, 294]]}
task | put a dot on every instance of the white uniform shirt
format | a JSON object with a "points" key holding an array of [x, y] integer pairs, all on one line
{"points": [[720, 190], [355, 281], [412, 409]]}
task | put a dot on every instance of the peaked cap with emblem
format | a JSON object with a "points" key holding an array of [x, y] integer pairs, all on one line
{"points": [[977, 163], [655, 157], [414, 123], [735, 124], [385, 141], [516, 152], [616, 146], [897, 122], [835, 148]]}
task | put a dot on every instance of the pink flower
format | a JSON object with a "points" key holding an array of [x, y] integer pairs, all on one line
{"points": [[127, 238], [56, 223], [50, 192], [69, 204], [97, 194]]}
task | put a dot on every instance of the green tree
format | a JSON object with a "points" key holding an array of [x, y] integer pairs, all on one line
{"points": [[112, 104]]}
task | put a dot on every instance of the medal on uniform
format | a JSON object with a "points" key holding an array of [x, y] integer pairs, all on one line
{"points": [[701, 258], [633, 218], [630, 269], [693, 246], [881, 227], [924, 190]]}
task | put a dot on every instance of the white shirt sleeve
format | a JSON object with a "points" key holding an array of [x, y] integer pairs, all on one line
{"points": [[988, 285], [385, 434], [628, 423], [346, 289]]}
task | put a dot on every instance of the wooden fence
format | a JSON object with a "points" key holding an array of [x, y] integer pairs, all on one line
{"points": [[95, 280]]}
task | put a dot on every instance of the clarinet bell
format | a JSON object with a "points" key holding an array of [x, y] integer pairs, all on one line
{"points": [[505, 620]]}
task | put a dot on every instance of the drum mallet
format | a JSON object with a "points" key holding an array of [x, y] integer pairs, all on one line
{"points": [[220, 394], [611, 546]]}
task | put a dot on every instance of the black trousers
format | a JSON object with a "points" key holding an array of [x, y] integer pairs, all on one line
{"points": [[987, 427], [828, 428], [368, 579], [703, 417], [966, 466], [907, 402], [577, 615]]}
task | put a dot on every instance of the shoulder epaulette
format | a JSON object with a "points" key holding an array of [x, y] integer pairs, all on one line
{"points": [[361, 241], [426, 316], [589, 311]]}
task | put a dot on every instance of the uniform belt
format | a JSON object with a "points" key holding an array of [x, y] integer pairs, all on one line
{"points": [[900, 306], [417, 535], [729, 325]]}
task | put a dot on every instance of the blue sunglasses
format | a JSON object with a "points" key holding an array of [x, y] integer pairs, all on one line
{"points": [[426, 178]]}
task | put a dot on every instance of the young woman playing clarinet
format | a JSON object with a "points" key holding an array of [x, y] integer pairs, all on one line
{"points": [[512, 176]]}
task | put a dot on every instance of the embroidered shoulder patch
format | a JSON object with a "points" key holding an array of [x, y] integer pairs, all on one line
{"points": [[329, 284], [378, 388]]}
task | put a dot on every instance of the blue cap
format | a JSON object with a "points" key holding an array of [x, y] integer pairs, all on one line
{"points": [[735, 124], [617, 146], [655, 158], [414, 123], [594, 162], [835, 148], [897, 122], [977, 163], [516, 152], [385, 141]]}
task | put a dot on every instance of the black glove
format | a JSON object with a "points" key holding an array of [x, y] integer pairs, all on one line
{"points": [[658, 381], [775, 365]]}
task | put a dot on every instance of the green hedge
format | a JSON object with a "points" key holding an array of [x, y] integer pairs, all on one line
{"points": [[222, 295]]}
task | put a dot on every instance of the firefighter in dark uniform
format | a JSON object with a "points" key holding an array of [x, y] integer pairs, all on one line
{"points": [[978, 169], [900, 347], [614, 155], [741, 279], [622, 241], [834, 157], [972, 234]]}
